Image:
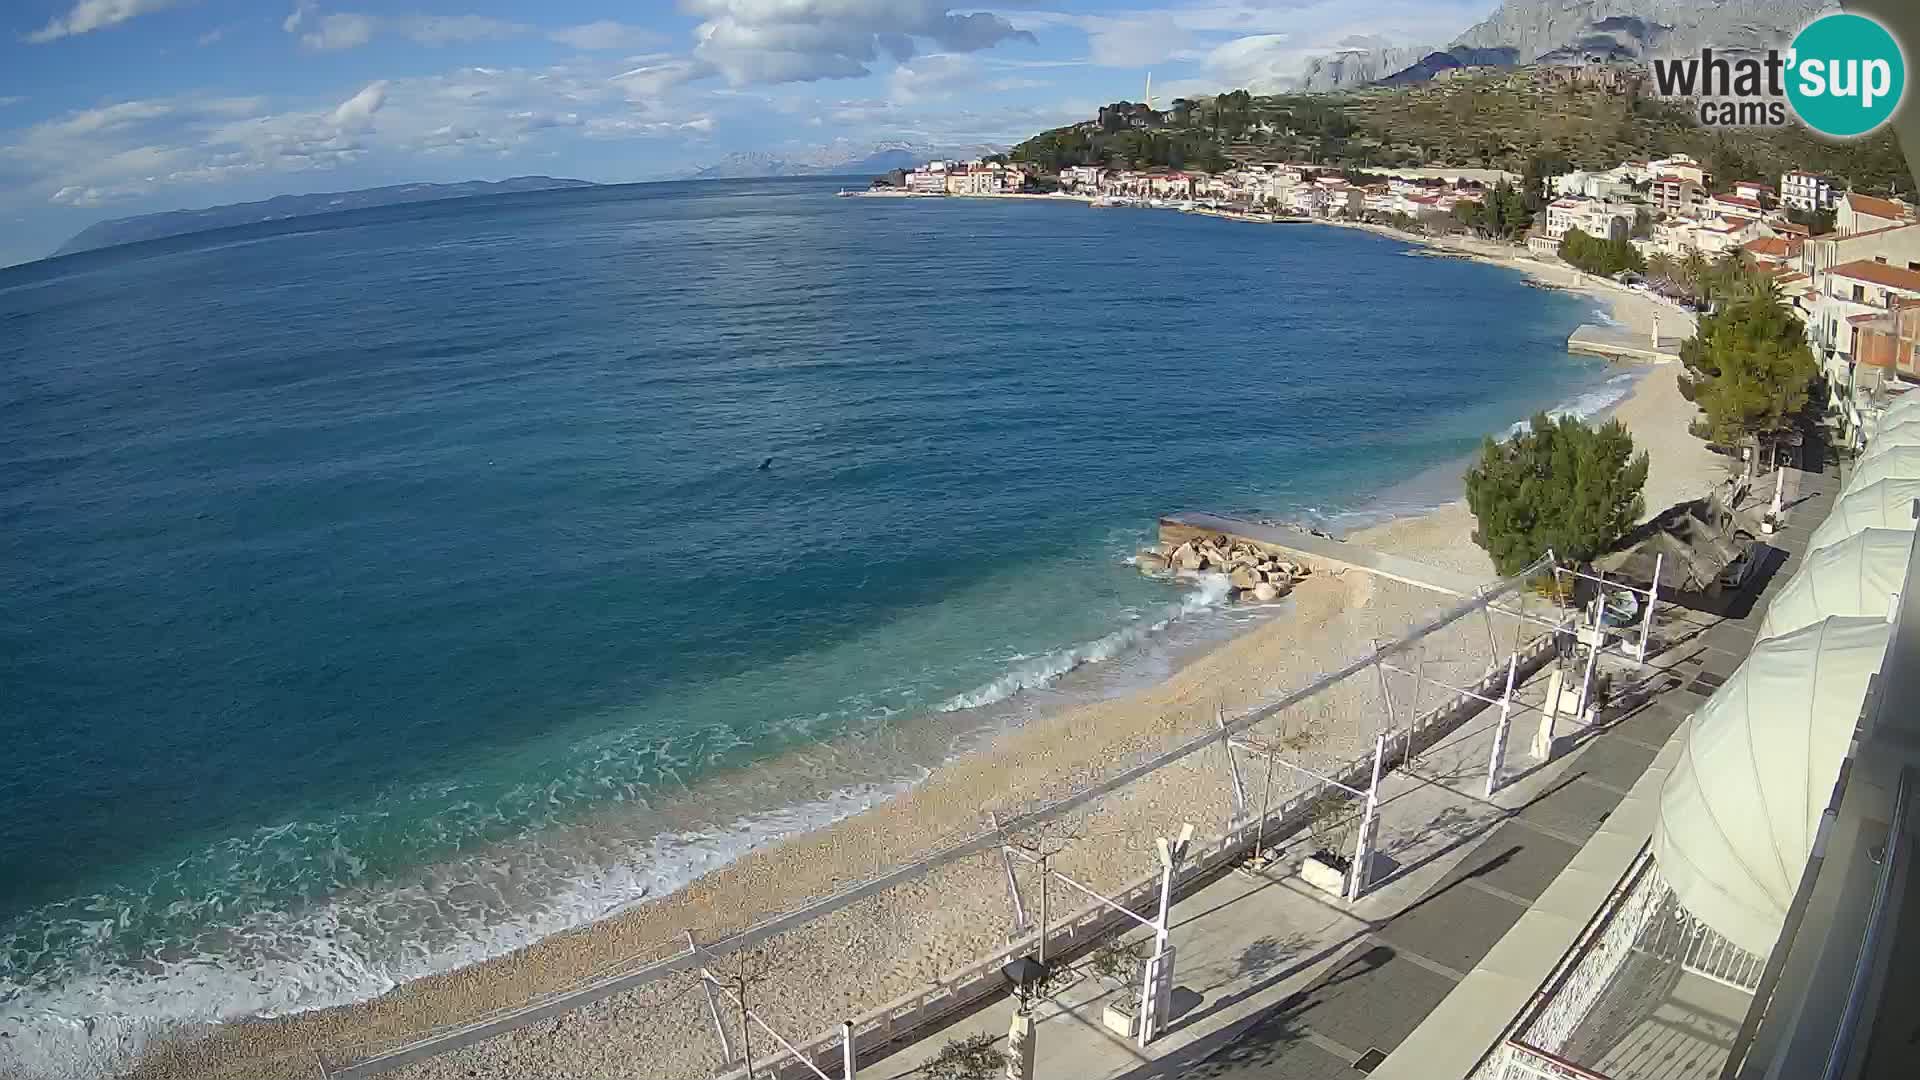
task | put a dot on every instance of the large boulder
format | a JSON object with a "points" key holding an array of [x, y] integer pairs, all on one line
{"points": [[1187, 558], [1150, 561], [1244, 577], [1267, 592]]}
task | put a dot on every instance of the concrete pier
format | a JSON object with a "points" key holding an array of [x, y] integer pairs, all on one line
{"points": [[1318, 551], [1619, 343]]}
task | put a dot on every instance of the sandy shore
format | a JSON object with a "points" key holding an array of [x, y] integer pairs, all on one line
{"points": [[892, 944]]}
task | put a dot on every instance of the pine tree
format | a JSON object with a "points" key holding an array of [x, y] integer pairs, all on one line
{"points": [[1559, 485], [1748, 368]]}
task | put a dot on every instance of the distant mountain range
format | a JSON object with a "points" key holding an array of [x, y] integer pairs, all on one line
{"points": [[129, 230], [1567, 31], [837, 159]]}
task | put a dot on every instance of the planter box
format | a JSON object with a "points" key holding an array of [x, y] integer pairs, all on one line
{"points": [[1119, 1021], [1323, 876]]}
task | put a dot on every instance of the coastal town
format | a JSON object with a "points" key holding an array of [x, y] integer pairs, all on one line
{"points": [[1847, 263]]}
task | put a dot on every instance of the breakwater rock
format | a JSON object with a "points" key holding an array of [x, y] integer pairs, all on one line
{"points": [[1254, 572]]}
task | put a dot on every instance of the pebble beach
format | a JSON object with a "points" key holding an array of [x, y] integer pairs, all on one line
{"points": [[810, 978]]}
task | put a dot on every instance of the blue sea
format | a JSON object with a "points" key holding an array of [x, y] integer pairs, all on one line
{"points": [[385, 590]]}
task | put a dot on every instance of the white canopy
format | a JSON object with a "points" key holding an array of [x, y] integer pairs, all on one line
{"points": [[1893, 436], [1857, 576], [1885, 505], [1907, 408], [1739, 810], [1895, 463]]}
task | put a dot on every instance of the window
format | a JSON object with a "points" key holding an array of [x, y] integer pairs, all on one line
{"points": [[1881, 259], [1912, 265], [1859, 294]]}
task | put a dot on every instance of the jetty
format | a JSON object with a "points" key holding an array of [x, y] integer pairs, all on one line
{"points": [[1619, 343], [1325, 551]]}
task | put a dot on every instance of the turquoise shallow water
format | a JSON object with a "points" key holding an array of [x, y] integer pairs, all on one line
{"points": [[383, 591]]}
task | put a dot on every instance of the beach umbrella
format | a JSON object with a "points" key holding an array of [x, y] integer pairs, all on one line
{"points": [[1885, 505], [1738, 813], [1894, 463], [1907, 408], [1892, 437], [1855, 577]]}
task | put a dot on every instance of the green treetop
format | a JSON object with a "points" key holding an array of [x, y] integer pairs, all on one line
{"points": [[1560, 485], [1748, 368]]}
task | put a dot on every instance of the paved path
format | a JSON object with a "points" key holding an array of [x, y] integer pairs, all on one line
{"points": [[1277, 982]]}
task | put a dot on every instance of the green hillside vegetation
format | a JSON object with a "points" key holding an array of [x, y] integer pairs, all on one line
{"points": [[1498, 121]]}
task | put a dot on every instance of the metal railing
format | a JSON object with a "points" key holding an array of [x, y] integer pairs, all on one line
{"points": [[910, 1016], [965, 986]]}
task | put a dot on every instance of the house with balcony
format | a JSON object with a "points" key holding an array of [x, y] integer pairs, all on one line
{"points": [[1887, 349], [1608, 221], [1309, 200], [1582, 184], [1677, 196], [1682, 166], [1806, 191], [1082, 177], [1738, 205], [1844, 299]]}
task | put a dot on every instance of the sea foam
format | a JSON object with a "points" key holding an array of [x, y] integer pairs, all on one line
{"points": [[1032, 673]]}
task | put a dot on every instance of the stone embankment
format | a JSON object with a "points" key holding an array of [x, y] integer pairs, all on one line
{"points": [[1253, 572]]}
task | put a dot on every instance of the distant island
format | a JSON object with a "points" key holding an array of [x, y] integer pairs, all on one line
{"points": [[130, 230]]}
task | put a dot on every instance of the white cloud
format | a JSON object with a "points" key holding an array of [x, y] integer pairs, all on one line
{"points": [[455, 29], [350, 30], [155, 149], [772, 41], [932, 78], [1253, 42], [356, 113], [606, 35], [90, 15], [659, 75], [6, 101], [1136, 41]]}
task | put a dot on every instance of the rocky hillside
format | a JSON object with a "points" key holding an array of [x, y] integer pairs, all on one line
{"points": [[1530, 31]]}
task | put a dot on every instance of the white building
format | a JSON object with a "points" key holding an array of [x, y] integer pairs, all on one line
{"points": [[1857, 213], [1581, 184], [1806, 191], [1608, 221], [1082, 177]]}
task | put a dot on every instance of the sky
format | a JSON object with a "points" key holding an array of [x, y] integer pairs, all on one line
{"points": [[110, 108]]}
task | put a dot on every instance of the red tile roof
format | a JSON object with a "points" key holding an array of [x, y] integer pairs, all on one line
{"points": [[1880, 208], [1891, 277], [1739, 200], [1770, 246]]}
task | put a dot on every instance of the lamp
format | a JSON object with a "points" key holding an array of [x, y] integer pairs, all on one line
{"points": [[1024, 973]]}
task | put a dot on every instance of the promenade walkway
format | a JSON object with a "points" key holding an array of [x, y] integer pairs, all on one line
{"points": [[1276, 980]]}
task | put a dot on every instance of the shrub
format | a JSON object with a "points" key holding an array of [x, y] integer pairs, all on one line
{"points": [[975, 1057]]}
